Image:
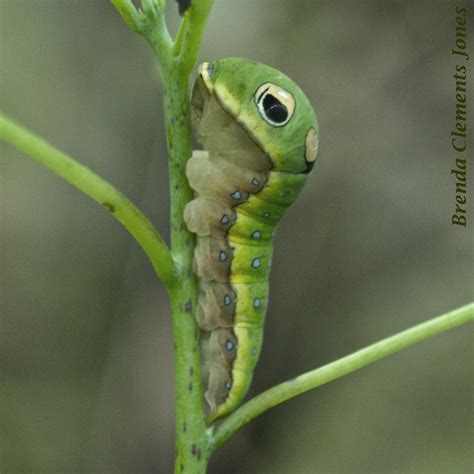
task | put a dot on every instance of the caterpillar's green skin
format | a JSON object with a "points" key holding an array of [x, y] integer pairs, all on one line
{"points": [[259, 134]]}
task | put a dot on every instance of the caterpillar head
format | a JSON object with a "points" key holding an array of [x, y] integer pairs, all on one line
{"points": [[269, 106]]}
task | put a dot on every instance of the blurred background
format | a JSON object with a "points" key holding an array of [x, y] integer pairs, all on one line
{"points": [[86, 378]]}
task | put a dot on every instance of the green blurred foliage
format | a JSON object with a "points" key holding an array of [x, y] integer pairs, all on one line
{"points": [[86, 379]]}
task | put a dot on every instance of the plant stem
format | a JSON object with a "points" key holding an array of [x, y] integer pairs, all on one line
{"points": [[290, 389], [191, 438], [177, 61], [99, 190], [190, 424], [188, 41]]}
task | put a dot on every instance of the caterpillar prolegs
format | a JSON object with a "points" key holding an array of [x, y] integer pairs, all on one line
{"points": [[260, 138]]}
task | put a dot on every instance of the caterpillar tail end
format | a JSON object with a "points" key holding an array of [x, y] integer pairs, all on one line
{"points": [[231, 403]]}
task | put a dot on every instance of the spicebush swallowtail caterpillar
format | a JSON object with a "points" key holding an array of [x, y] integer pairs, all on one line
{"points": [[260, 139]]}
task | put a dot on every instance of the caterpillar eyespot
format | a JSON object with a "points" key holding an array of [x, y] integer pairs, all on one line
{"points": [[260, 137], [275, 104]]}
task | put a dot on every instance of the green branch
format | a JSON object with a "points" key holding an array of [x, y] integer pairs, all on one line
{"points": [[156, 32], [99, 190], [149, 23], [177, 61], [188, 40], [133, 18], [315, 378]]}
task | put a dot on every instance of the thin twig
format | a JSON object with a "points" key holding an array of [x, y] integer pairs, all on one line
{"points": [[315, 378], [99, 190], [133, 18], [188, 41]]}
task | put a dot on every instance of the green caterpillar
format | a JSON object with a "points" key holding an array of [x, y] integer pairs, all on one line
{"points": [[260, 139]]}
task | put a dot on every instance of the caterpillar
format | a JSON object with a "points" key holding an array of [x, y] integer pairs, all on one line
{"points": [[260, 138]]}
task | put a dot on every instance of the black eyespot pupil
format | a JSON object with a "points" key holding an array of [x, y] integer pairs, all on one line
{"points": [[274, 109]]}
